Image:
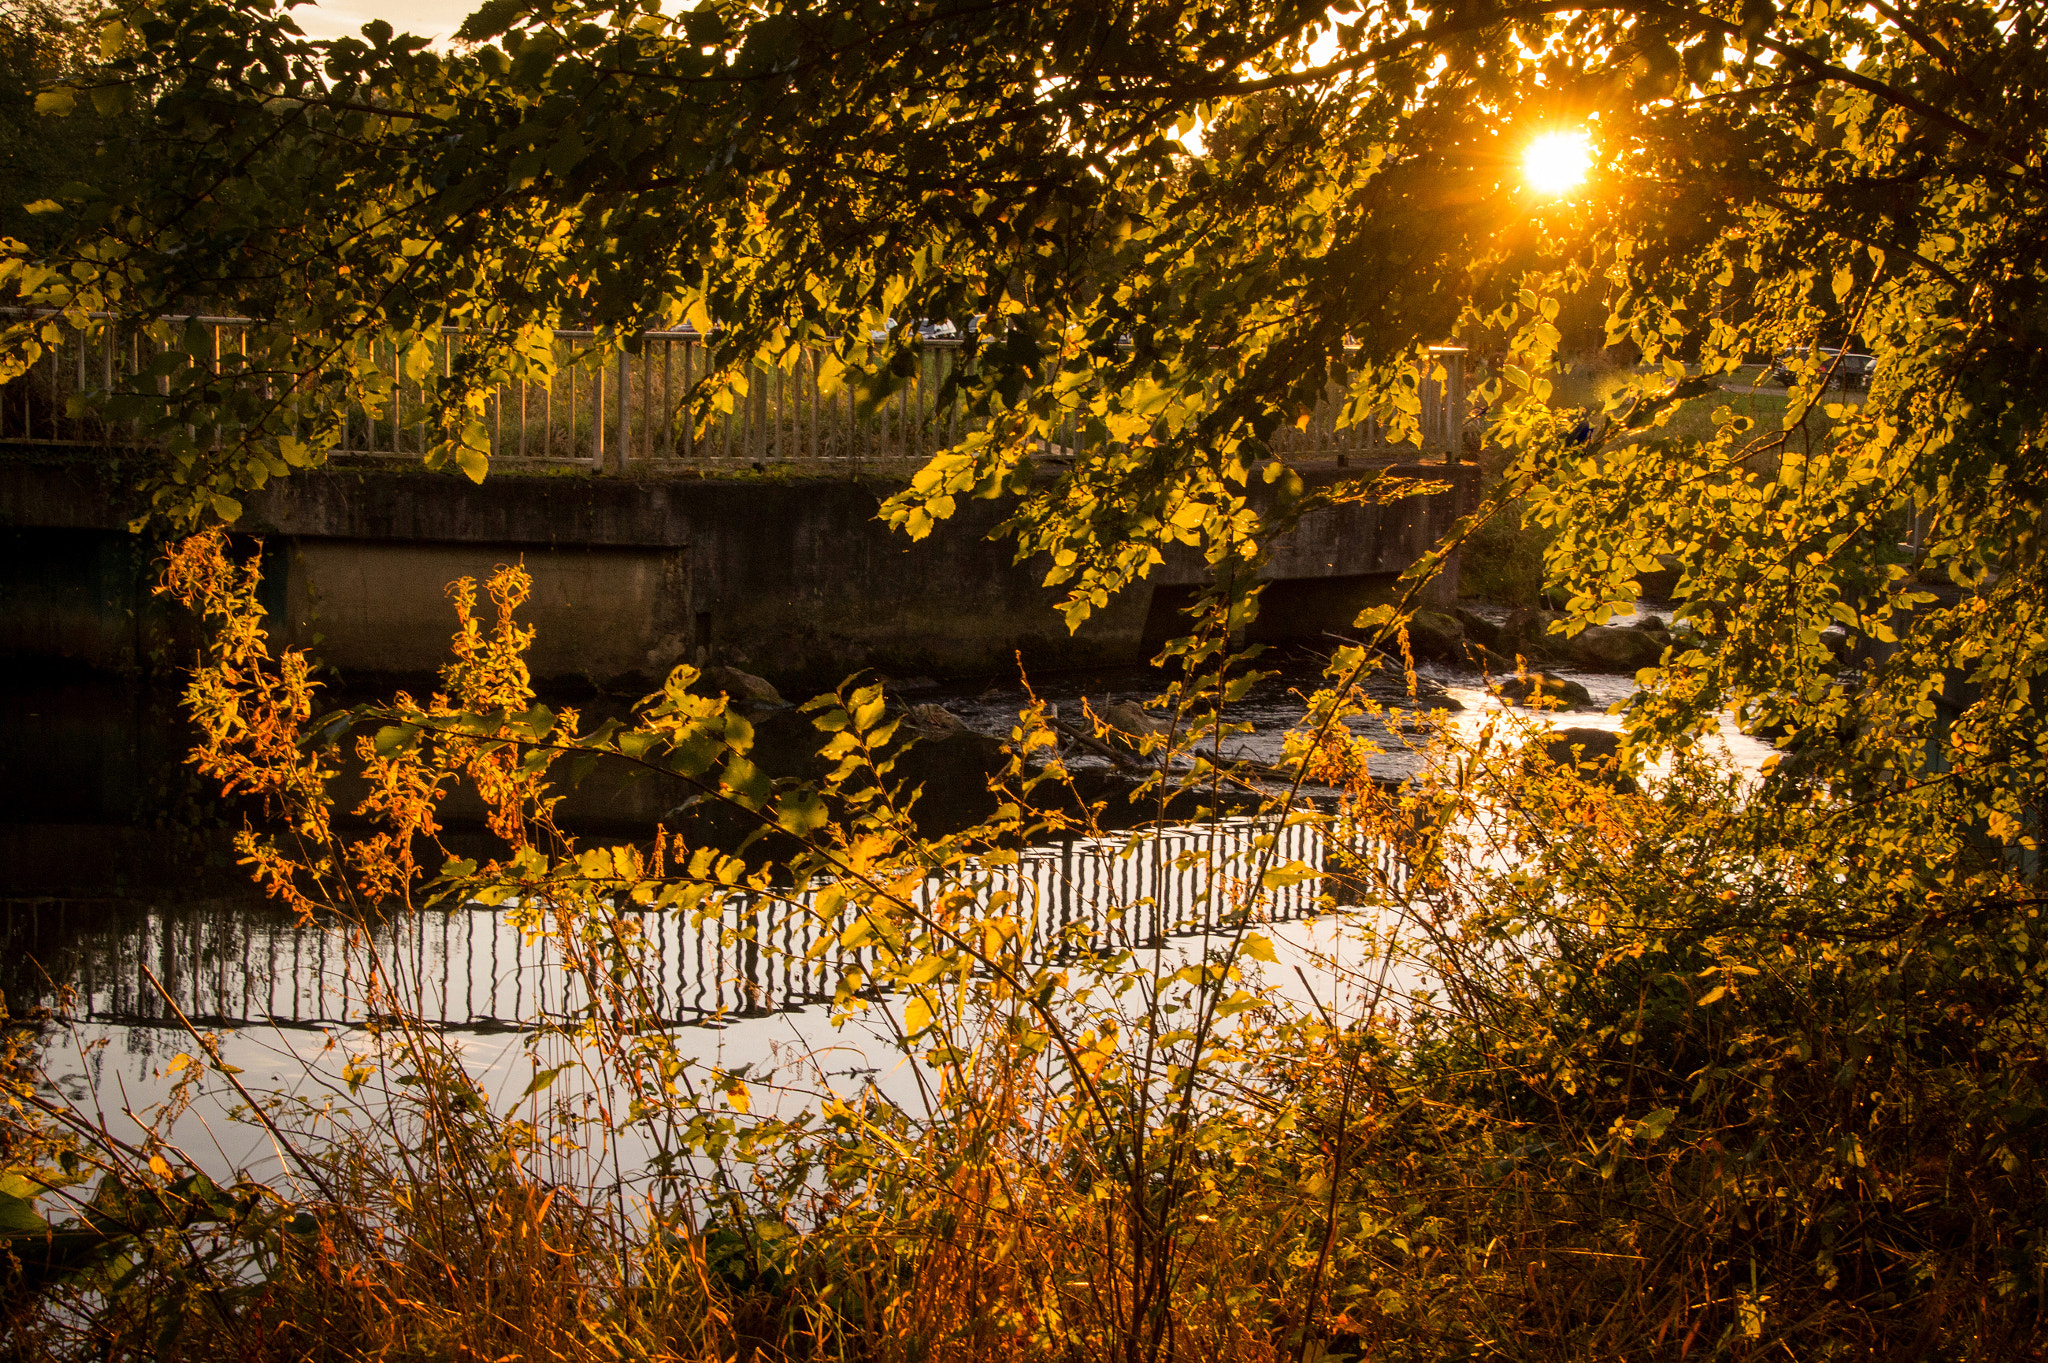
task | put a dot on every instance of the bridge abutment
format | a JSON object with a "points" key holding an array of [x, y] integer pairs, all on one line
{"points": [[791, 577]]}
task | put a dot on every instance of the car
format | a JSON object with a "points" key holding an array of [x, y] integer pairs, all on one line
{"points": [[1848, 370]]}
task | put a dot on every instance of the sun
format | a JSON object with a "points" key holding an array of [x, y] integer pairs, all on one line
{"points": [[1556, 163]]}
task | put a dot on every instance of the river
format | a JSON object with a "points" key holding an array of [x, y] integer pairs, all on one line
{"points": [[124, 922]]}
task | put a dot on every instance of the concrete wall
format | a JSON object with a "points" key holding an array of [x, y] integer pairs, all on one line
{"points": [[384, 609], [793, 578]]}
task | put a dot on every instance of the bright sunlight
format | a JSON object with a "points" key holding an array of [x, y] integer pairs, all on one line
{"points": [[1556, 163]]}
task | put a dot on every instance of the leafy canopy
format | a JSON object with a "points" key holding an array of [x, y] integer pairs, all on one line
{"points": [[1169, 220]]}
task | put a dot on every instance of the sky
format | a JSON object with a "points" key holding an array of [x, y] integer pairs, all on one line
{"points": [[341, 18], [440, 18]]}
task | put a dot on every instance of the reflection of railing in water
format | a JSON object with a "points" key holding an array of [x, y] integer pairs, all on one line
{"points": [[470, 968]]}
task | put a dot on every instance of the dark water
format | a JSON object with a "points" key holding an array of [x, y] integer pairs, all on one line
{"points": [[121, 908], [114, 854]]}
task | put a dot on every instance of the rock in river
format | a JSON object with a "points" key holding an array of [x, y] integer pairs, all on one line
{"points": [[1596, 753], [1541, 691], [1603, 648], [1478, 628], [743, 688], [1526, 634], [1436, 636], [935, 720], [1133, 719]]}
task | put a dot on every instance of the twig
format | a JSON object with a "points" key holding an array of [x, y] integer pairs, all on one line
{"points": [[212, 1049], [1101, 749]]}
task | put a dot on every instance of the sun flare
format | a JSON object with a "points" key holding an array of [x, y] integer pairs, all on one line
{"points": [[1556, 163]]}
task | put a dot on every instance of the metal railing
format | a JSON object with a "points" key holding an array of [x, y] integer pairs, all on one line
{"points": [[235, 966], [612, 410]]}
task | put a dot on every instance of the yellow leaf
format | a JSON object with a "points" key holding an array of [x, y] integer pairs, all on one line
{"points": [[917, 1015], [159, 1166], [1293, 873]]}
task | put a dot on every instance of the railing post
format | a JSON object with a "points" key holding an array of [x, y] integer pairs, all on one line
{"points": [[1456, 403], [622, 431], [598, 412], [1450, 402]]}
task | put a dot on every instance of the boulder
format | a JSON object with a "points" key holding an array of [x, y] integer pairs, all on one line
{"points": [[1659, 584], [1603, 648], [1594, 753], [1541, 691], [934, 720], [953, 772], [1428, 698], [1526, 634], [1653, 624], [743, 688], [1479, 629], [1436, 637], [1132, 718]]}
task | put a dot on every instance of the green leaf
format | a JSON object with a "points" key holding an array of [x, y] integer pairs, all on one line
{"points": [[394, 738], [542, 1079], [1654, 1124], [18, 1217], [695, 753], [800, 811], [744, 781]]}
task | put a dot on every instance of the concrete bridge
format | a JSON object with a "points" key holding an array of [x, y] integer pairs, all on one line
{"points": [[646, 550], [750, 542]]}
